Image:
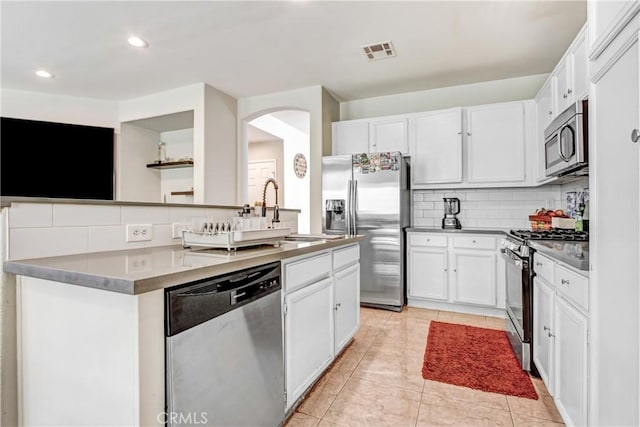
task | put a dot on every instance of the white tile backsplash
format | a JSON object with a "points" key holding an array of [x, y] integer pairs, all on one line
{"points": [[78, 215], [31, 215], [145, 215], [45, 242], [46, 229], [486, 208]]}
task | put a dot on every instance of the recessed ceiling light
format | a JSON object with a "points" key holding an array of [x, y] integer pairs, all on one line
{"points": [[45, 74], [137, 42]]}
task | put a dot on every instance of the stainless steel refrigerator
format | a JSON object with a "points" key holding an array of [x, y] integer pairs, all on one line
{"points": [[368, 194]]}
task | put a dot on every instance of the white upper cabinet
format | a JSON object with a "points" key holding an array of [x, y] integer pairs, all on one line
{"points": [[546, 106], [572, 73], [389, 135], [496, 143], [350, 137], [436, 147], [371, 135]]}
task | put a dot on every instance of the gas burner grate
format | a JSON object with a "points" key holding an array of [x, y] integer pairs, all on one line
{"points": [[557, 234]]}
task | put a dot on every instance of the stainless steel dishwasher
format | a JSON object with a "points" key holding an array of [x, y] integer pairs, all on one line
{"points": [[224, 352]]}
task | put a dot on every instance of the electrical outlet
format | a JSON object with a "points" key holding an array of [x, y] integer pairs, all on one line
{"points": [[139, 232], [176, 230]]}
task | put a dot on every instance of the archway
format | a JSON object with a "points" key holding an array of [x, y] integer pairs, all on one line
{"points": [[271, 143]]}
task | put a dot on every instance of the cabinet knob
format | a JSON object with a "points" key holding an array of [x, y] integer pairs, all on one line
{"points": [[551, 335], [564, 96], [550, 113], [565, 282], [459, 132], [468, 133], [546, 328], [428, 240], [455, 270], [446, 269], [538, 264], [473, 241], [569, 91], [635, 135]]}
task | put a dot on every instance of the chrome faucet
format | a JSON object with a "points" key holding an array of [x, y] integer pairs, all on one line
{"points": [[276, 209]]}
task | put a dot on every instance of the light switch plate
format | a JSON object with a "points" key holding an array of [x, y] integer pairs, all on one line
{"points": [[139, 232]]}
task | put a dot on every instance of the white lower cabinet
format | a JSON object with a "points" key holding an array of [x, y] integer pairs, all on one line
{"points": [[457, 273], [561, 340], [428, 276], [474, 276], [347, 305], [309, 341], [321, 314]]}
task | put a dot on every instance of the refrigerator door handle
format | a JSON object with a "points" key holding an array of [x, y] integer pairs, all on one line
{"points": [[354, 207], [348, 213]]}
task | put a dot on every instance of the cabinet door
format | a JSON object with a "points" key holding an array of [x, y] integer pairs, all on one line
{"points": [[496, 138], [614, 112], [563, 84], [474, 277], [545, 108], [347, 305], [570, 328], [389, 135], [543, 329], [308, 336], [436, 155], [427, 275], [350, 137], [580, 87]]}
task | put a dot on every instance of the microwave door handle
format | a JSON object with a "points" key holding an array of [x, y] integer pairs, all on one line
{"points": [[560, 152]]}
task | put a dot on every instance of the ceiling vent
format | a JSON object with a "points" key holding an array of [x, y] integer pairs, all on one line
{"points": [[380, 50]]}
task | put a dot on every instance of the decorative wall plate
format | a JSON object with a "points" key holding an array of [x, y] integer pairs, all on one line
{"points": [[300, 165]]}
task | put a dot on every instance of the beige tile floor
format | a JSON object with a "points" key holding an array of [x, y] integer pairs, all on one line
{"points": [[377, 381]]}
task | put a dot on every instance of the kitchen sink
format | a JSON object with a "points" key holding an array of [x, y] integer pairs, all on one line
{"points": [[310, 237], [303, 239]]}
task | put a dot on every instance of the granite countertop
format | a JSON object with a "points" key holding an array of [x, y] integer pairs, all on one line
{"points": [[136, 271], [459, 231], [575, 254]]}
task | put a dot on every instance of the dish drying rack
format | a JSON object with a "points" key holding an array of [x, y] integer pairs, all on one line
{"points": [[232, 239]]}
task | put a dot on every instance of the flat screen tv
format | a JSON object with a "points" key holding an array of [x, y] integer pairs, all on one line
{"points": [[57, 160]]}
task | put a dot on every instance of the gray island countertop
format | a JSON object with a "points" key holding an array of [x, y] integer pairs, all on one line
{"points": [[136, 271]]}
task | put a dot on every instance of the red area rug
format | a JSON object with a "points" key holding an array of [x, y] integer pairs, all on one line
{"points": [[477, 358]]}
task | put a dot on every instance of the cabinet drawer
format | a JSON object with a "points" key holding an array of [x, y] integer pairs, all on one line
{"points": [[345, 256], [474, 242], [305, 271], [423, 239], [543, 267], [573, 286]]}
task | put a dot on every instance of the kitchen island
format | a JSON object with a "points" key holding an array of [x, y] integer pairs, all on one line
{"points": [[91, 327]]}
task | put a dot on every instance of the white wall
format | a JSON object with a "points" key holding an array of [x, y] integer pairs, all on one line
{"points": [[178, 144], [495, 208], [514, 89], [297, 195], [138, 149], [57, 108], [308, 99]]}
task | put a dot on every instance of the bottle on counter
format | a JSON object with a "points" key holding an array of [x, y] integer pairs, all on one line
{"points": [[579, 218]]}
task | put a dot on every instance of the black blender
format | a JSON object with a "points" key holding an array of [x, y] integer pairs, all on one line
{"points": [[451, 209]]}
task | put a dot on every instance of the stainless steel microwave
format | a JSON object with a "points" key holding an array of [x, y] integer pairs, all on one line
{"points": [[566, 143]]}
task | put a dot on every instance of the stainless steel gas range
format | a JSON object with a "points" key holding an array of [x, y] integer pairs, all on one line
{"points": [[518, 256]]}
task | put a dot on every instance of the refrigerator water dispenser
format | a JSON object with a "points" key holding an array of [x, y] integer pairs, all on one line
{"points": [[335, 212]]}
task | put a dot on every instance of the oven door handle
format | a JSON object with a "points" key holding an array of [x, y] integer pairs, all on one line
{"points": [[511, 259]]}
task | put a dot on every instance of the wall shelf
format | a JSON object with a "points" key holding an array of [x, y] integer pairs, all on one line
{"points": [[171, 165], [182, 193]]}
